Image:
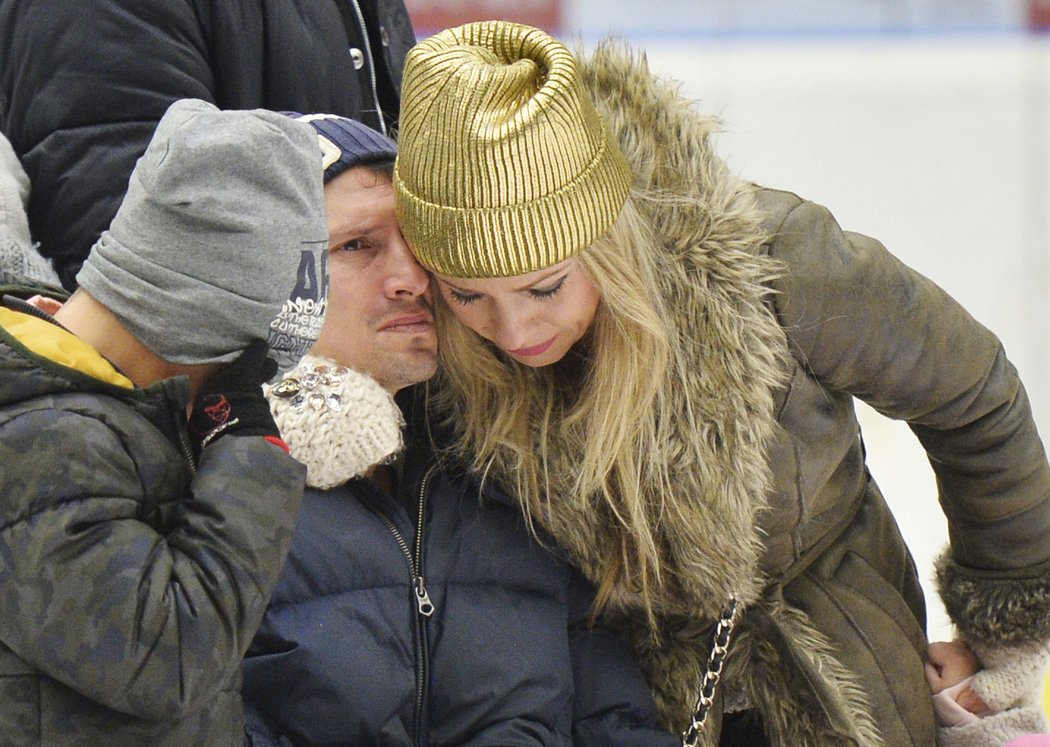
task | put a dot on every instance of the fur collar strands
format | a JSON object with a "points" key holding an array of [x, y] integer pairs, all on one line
{"points": [[713, 279]]}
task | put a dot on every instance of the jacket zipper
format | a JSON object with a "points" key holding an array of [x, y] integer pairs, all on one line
{"points": [[424, 607], [184, 440], [371, 64]]}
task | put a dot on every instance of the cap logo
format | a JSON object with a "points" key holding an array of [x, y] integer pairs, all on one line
{"points": [[330, 152]]}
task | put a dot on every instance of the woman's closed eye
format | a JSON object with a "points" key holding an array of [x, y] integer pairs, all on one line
{"points": [[462, 297], [548, 292]]}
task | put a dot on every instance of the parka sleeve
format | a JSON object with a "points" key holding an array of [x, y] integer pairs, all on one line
{"points": [[612, 703], [862, 322], [82, 87], [146, 610]]}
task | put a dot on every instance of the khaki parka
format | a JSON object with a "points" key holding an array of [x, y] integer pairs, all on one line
{"points": [[791, 318]]}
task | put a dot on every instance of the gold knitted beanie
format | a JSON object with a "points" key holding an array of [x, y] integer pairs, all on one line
{"points": [[504, 165]]}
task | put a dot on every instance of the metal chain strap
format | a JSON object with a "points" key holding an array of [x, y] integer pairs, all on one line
{"points": [[719, 649]]}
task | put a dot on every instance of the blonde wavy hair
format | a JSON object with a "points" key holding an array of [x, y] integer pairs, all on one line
{"points": [[579, 442]]}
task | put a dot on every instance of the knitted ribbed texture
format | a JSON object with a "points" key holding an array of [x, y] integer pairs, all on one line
{"points": [[505, 167], [14, 194], [336, 421], [346, 143], [20, 262]]}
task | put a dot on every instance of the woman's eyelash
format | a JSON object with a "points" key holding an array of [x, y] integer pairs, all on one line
{"points": [[462, 299], [550, 292]]}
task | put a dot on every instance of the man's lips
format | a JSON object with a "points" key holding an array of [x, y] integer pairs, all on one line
{"points": [[534, 350], [417, 322]]}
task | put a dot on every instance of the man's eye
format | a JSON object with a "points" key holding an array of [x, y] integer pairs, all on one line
{"points": [[352, 246]]}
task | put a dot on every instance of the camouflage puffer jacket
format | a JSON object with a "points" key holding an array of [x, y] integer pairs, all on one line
{"points": [[131, 580]]}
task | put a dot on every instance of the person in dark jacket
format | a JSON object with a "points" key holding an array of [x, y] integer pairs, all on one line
{"points": [[415, 607], [82, 86], [138, 547]]}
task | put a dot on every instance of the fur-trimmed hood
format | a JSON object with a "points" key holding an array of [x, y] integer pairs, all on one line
{"points": [[713, 280], [715, 283]]}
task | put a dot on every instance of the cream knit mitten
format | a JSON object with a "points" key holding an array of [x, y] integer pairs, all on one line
{"points": [[336, 421], [1009, 684]]}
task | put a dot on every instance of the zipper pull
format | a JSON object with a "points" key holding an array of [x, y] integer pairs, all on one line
{"points": [[426, 607]]}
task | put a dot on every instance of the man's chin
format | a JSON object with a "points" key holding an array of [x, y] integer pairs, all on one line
{"points": [[409, 369]]}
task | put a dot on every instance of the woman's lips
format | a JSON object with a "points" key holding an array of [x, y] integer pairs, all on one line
{"points": [[534, 350]]}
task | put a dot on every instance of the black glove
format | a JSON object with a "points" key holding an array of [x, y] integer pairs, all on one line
{"points": [[232, 402]]}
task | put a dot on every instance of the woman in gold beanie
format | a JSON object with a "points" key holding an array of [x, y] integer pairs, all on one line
{"points": [[660, 360]]}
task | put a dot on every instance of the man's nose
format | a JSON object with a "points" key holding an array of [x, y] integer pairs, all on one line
{"points": [[406, 278]]}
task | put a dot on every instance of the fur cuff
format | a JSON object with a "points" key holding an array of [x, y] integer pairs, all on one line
{"points": [[336, 421], [995, 611]]}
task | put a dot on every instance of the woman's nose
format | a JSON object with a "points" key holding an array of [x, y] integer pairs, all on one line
{"points": [[511, 329]]}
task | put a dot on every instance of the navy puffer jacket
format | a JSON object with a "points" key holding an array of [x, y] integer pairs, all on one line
{"points": [[469, 633]]}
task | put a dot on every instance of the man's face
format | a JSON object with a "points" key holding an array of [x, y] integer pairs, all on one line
{"points": [[379, 305]]}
